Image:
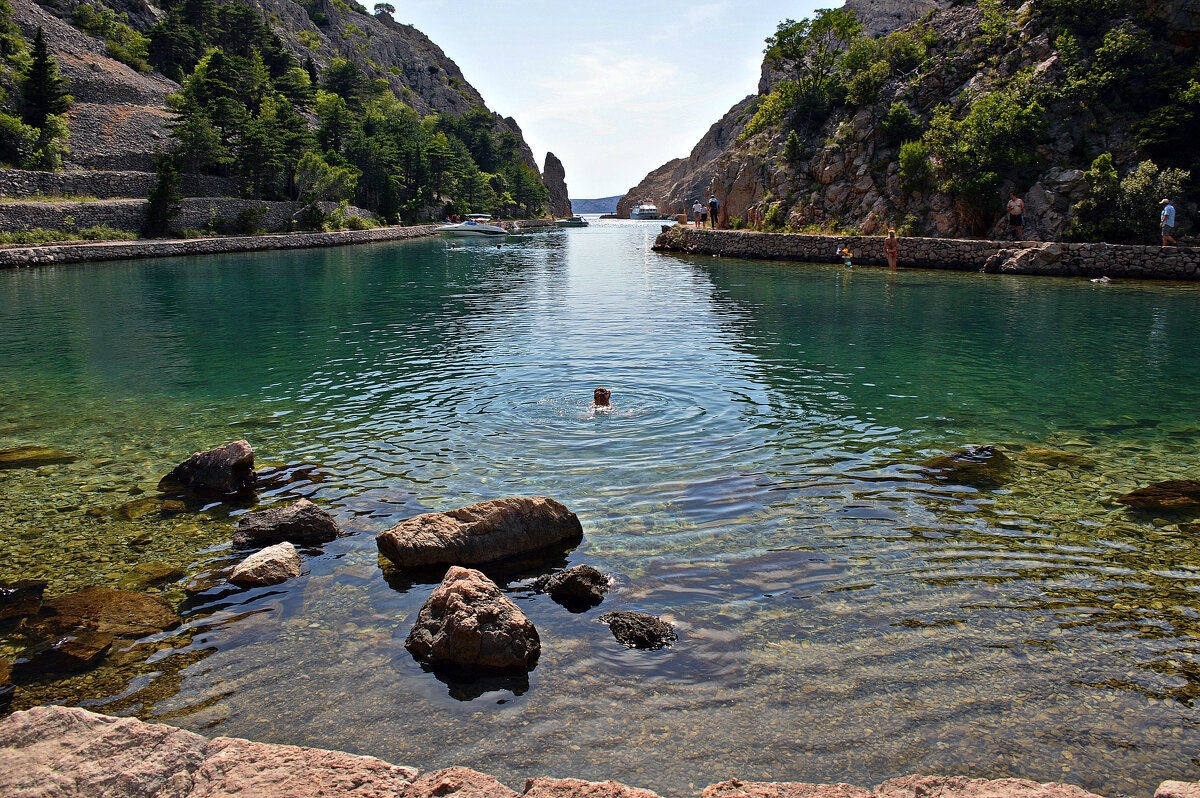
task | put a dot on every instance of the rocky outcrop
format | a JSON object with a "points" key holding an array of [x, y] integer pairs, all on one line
{"points": [[302, 522], [879, 17], [480, 533], [576, 588], [272, 566], [1172, 495], [225, 471], [468, 624], [639, 630], [980, 466], [555, 178]]}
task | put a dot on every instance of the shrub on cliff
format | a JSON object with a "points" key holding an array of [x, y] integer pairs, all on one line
{"points": [[1123, 210]]}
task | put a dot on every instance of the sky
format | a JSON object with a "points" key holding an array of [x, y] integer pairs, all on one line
{"points": [[615, 89]]}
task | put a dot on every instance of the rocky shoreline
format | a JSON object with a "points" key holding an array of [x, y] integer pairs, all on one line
{"points": [[952, 254], [60, 751], [65, 252]]}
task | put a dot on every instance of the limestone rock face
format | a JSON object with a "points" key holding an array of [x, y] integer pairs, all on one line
{"points": [[58, 752], [880, 17], [271, 566], [302, 522], [639, 630], [575, 788], [479, 533], [555, 178], [227, 470], [467, 623]]}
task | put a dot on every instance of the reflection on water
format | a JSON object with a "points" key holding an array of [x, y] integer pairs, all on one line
{"points": [[757, 481]]}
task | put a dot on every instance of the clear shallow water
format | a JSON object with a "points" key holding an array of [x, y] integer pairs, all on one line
{"points": [[842, 617]]}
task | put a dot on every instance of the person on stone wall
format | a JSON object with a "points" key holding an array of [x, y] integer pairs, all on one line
{"points": [[1016, 215], [891, 248], [714, 205], [1167, 221], [697, 212]]}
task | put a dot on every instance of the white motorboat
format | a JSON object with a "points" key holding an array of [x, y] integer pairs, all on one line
{"points": [[477, 224], [574, 221], [645, 210]]}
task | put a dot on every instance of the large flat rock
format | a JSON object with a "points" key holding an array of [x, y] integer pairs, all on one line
{"points": [[574, 788], [480, 533]]}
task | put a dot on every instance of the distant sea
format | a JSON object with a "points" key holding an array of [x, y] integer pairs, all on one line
{"points": [[602, 205]]}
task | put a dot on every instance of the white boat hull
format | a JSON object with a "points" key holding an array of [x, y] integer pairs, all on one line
{"points": [[472, 229]]}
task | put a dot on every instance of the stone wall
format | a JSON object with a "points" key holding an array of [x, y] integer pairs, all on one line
{"points": [[16, 257], [130, 214], [18, 183], [1007, 257]]}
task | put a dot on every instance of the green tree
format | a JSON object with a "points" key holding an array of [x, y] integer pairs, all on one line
{"points": [[811, 50], [165, 200], [319, 180], [43, 90]]}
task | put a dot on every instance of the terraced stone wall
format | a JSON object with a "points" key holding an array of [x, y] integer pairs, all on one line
{"points": [[20, 183]]}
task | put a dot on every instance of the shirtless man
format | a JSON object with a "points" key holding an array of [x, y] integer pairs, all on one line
{"points": [[1016, 215]]}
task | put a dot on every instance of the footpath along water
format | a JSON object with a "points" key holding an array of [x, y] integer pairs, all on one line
{"points": [[842, 616]]}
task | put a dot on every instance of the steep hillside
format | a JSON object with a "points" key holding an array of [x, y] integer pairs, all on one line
{"points": [[119, 119], [991, 97]]}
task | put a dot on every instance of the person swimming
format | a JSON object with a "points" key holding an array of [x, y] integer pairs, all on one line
{"points": [[847, 257], [601, 396]]}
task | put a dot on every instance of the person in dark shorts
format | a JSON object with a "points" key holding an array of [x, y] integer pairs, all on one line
{"points": [[713, 206], [1016, 215]]}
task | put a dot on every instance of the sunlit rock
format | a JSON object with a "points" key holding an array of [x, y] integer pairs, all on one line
{"points": [[271, 566], [303, 523], [227, 470]]}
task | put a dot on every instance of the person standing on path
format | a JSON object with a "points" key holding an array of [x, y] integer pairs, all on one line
{"points": [[891, 248], [1167, 221], [1016, 215], [697, 212], [713, 206]]}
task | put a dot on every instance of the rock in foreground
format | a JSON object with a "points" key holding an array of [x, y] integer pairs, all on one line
{"points": [[21, 598], [480, 533], [1179, 494], [72, 652], [639, 630], [303, 523], [225, 471], [271, 566], [981, 467], [468, 624], [907, 787], [579, 587], [123, 613]]}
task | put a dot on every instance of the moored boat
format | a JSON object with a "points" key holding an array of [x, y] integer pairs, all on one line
{"points": [[644, 210], [574, 221], [477, 224]]}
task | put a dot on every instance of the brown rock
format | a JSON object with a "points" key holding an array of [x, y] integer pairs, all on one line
{"points": [[150, 574], [467, 623], [555, 179], [579, 587], [21, 598], [73, 652], [574, 788], [1057, 458], [459, 782], [1171, 495], [791, 789], [981, 467], [479, 533], [962, 787], [119, 612], [302, 522], [639, 630], [271, 566], [1178, 789], [239, 767], [33, 457], [61, 752], [225, 471]]}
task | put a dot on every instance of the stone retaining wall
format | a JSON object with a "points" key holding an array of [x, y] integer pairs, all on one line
{"points": [[15, 257], [130, 214], [18, 183], [1005, 257]]}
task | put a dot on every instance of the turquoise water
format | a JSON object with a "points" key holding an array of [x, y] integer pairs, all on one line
{"points": [[841, 616]]}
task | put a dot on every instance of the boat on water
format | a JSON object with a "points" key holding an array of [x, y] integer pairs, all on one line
{"points": [[477, 224], [645, 210], [574, 221]]}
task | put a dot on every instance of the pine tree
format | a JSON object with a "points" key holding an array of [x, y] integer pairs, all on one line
{"points": [[165, 199], [43, 90]]}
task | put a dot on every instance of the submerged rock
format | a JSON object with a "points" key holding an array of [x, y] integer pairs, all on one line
{"points": [[467, 623], [72, 652], [7, 689], [271, 566], [123, 613], [980, 467], [1057, 458], [151, 574], [582, 586], [225, 471], [303, 523], [33, 457], [480, 533], [21, 598], [639, 630], [1179, 494]]}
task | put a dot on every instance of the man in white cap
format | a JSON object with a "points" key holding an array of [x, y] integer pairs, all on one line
{"points": [[1167, 220]]}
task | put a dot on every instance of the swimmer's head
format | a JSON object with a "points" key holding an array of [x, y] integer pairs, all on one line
{"points": [[601, 396]]}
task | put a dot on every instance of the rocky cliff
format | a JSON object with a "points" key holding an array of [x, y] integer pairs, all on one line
{"points": [[119, 117], [844, 172], [555, 178]]}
